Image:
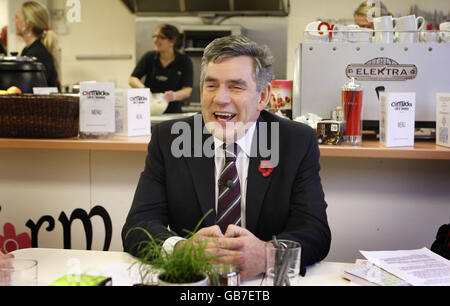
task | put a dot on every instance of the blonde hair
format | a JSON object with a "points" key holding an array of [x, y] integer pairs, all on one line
{"points": [[37, 16], [364, 8]]}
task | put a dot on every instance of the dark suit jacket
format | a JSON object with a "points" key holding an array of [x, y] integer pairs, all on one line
{"points": [[178, 192]]}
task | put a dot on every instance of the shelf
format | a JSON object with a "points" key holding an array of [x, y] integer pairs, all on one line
{"points": [[372, 149], [424, 150], [116, 143]]}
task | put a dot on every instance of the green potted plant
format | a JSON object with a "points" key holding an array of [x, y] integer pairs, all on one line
{"points": [[188, 264]]}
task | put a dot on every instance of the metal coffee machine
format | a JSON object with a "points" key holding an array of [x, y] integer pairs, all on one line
{"points": [[322, 68]]}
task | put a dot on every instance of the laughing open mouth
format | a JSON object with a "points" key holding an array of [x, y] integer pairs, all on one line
{"points": [[224, 116]]}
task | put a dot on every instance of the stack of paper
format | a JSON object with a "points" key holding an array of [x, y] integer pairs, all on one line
{"points": [[401, 268], [367, 274]]}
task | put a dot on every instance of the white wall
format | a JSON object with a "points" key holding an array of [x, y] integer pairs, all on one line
{"points": [[106, 28], [384, 204], [3, 13]]}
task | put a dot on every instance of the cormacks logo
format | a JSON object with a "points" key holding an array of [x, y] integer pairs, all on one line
{"points": [[401, 105], [96, 94], [138, 99], [381, 69]]}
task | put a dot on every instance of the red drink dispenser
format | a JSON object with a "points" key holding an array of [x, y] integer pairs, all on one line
{"points": [[352, 96]]}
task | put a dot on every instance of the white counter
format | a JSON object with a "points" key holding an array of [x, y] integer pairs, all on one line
{"points": [[54, 263]]}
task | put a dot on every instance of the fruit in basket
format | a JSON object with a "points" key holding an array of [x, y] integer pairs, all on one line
{"points": [[3, 92], [14, 90]]}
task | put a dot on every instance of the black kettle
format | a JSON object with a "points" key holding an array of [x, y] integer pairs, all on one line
{"points": [[23, 72]]}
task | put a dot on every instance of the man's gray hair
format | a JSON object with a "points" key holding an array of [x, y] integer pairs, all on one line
{"points": [[234, 46]]}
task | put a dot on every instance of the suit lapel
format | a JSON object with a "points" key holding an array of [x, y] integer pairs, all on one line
{"points": [[257, 184], [202, 172]]}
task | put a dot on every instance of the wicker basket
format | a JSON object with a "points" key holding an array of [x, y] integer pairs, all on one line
{"points": [[39, 116]]}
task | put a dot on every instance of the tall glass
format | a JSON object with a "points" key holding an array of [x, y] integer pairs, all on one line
{"points": [[282, 263], [18, 272], [352, 102]]}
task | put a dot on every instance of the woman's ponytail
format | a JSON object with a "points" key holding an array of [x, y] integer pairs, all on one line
{"points": [[50, 42]]}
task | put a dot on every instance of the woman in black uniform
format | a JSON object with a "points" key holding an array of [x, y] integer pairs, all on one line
{"points": [[166, 69], [32, 24]]}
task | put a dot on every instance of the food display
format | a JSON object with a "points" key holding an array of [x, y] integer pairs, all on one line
{"points": [[281, 99], [13, 90]]}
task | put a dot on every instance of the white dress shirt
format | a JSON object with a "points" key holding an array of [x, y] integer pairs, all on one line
{"points": [[244, 145]]}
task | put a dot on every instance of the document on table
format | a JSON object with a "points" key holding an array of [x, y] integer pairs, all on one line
{"points": [[122, 274], [419, 267]]}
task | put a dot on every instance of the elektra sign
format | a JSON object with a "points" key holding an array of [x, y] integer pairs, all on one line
{"points": [[381, 69]]}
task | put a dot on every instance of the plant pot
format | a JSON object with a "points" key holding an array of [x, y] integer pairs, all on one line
{"points": [[202, 282]]}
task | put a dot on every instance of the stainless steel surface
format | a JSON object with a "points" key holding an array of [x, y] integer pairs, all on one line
{"points": [[208, 8], [166, 117], [104, 57]]}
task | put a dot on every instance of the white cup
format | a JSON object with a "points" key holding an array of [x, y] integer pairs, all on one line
{"points": [[384, 29], [312, 33], [365, 35], [339, 33], [428, 36], [407, 28], [352, 32], [360, 35], [444, 32]]}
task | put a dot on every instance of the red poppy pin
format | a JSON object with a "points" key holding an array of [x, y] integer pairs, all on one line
{"points": [[265, 167]]}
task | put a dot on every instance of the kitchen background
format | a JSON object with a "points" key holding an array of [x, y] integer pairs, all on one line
{"points": [[107, 28]]}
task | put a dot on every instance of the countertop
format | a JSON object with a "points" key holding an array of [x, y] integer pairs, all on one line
{"points": [[53, 263], [426, 150]]}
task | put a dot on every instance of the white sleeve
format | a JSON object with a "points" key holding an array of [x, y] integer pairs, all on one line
{"points": [[170, 243]]}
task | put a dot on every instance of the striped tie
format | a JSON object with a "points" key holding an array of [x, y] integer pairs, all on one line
{"points": [[229, 200]]}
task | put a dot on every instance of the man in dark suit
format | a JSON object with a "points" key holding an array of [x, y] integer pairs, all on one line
{"points": [[270, 186]]}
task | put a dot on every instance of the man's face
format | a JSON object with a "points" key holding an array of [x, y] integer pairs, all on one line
{"points": [[230, 99]]}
